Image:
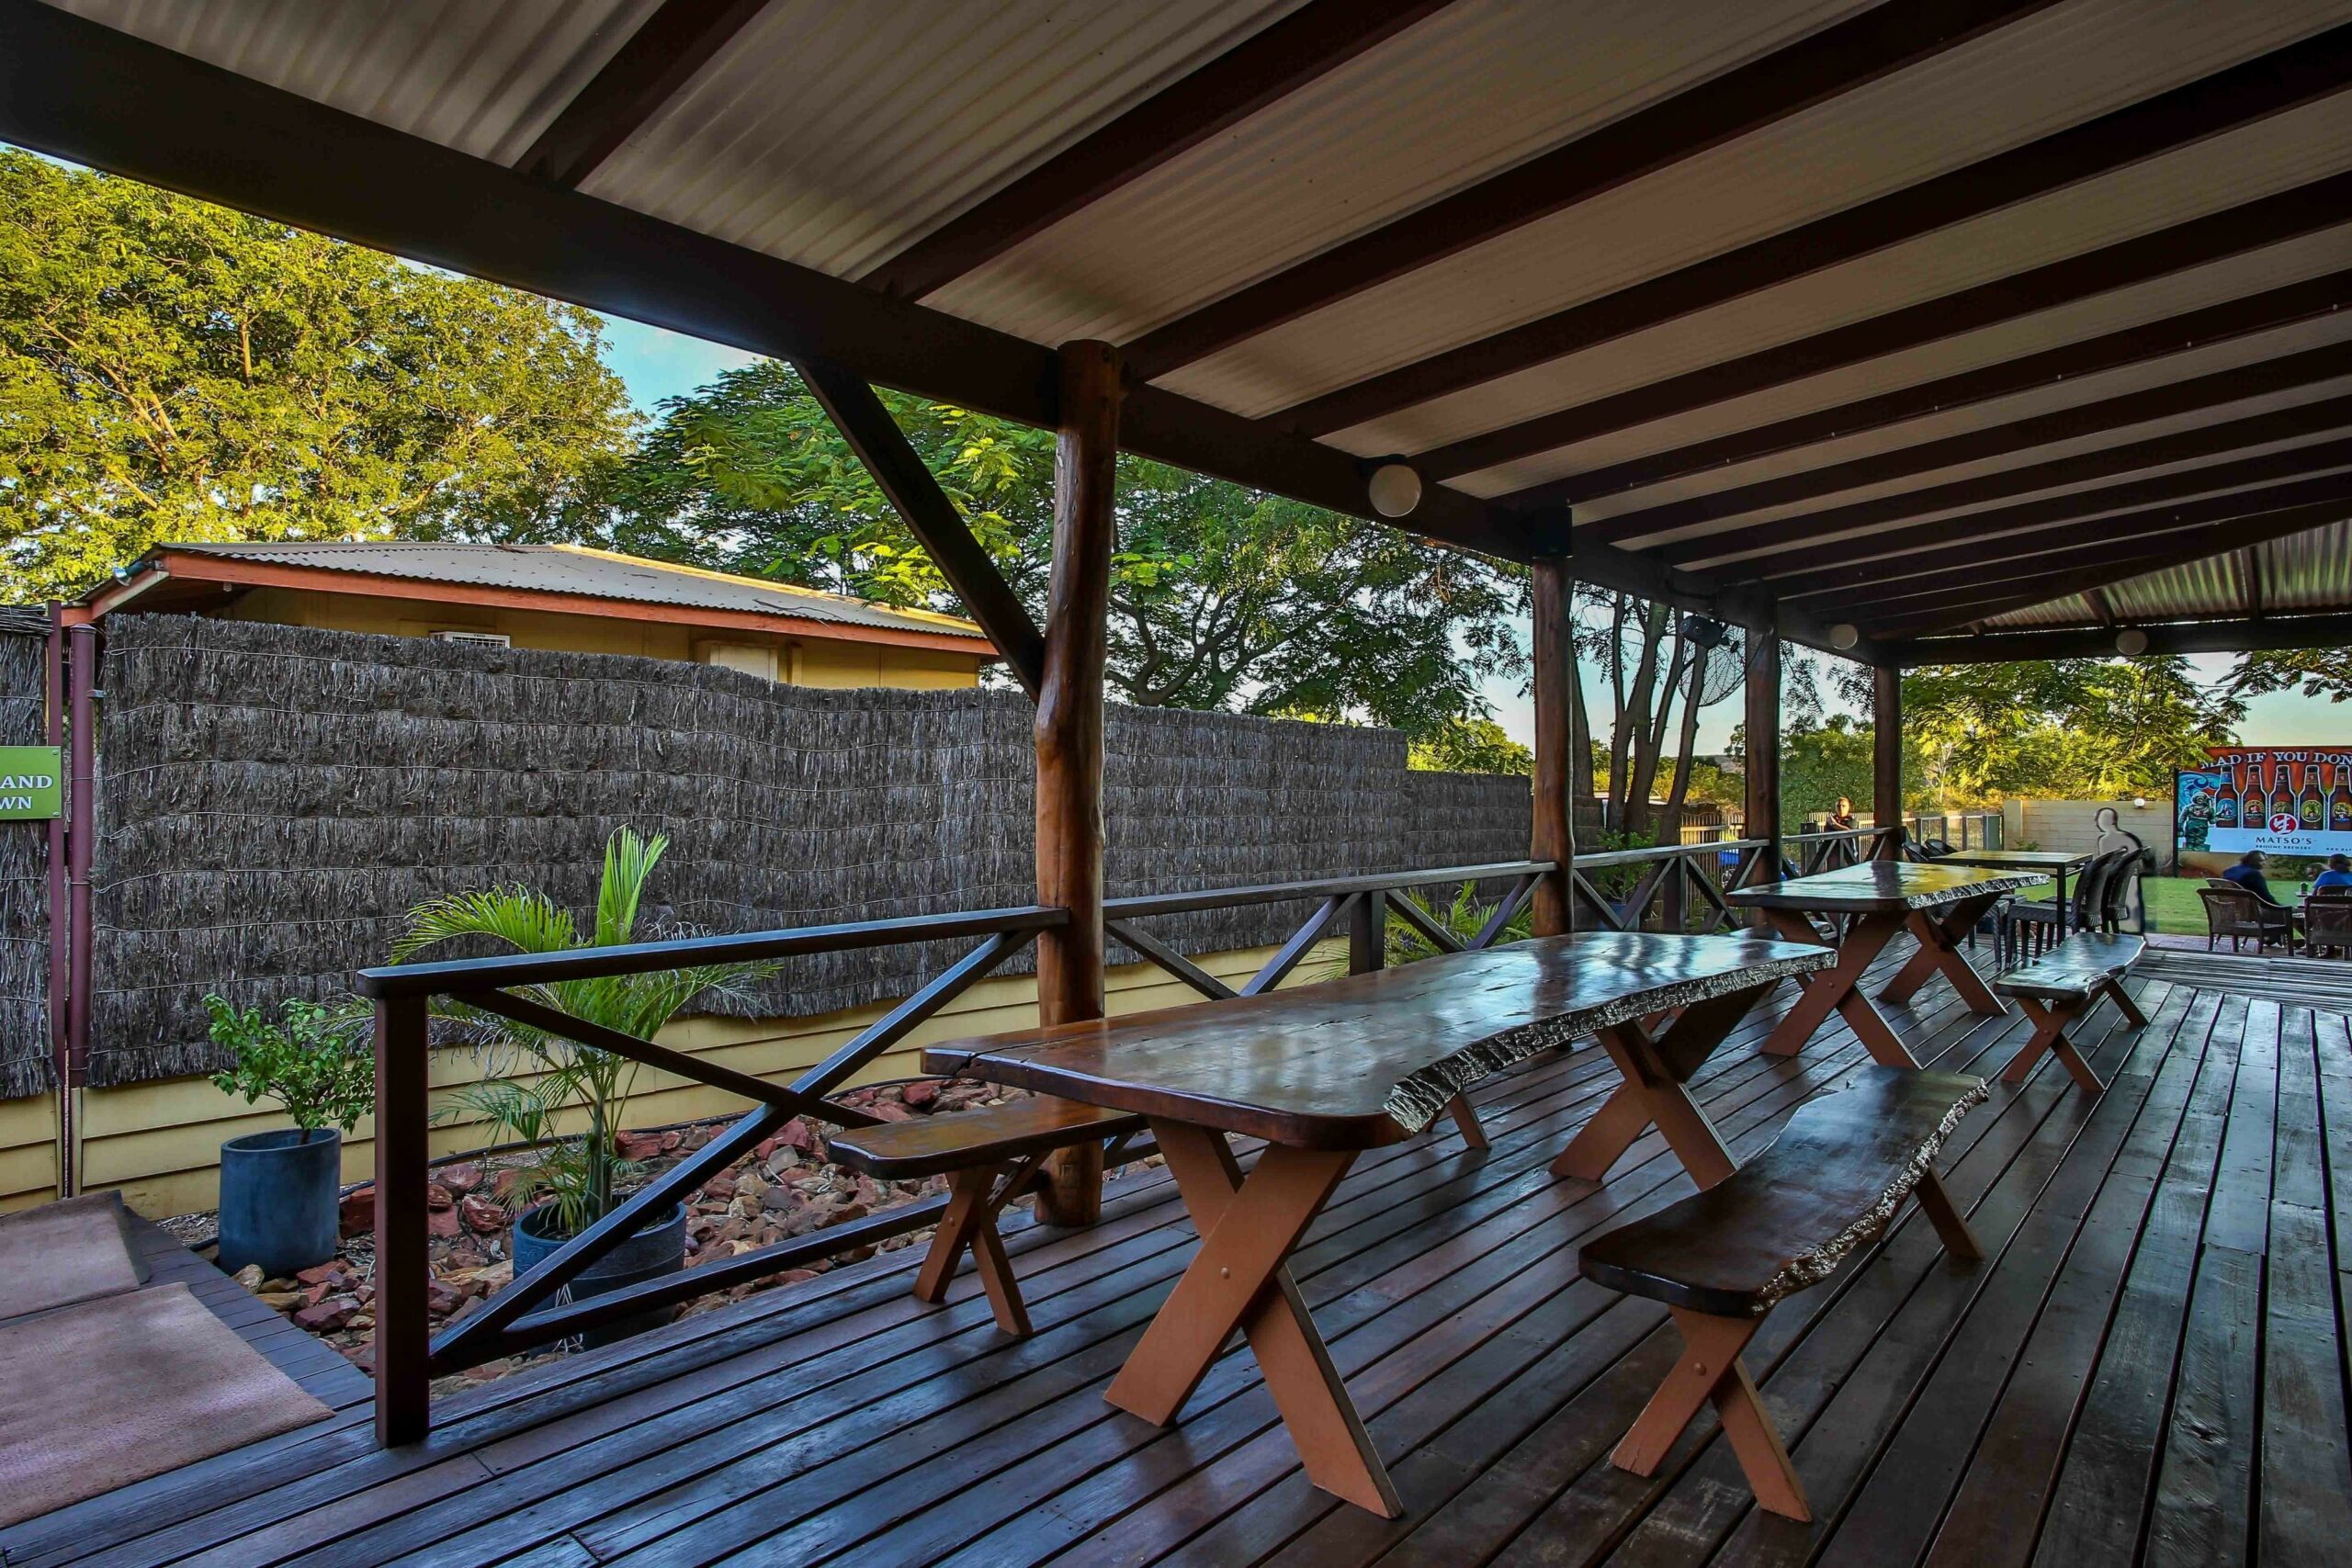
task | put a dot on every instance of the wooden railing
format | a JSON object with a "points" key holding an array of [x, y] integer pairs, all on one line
{"points": [[1671, 884], [518, 1317]]}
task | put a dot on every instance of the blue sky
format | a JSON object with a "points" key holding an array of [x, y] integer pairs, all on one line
{"points": [[655, 363]]}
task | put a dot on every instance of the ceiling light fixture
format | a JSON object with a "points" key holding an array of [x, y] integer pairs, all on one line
{"points": [[1394, 489]]}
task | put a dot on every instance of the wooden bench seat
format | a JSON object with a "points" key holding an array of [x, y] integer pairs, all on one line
{"points": [[1721, 1260], [988, 1155], [2061, 987]]}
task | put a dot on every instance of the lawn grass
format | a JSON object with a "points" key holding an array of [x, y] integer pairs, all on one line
{"points": [[2172, 901]]}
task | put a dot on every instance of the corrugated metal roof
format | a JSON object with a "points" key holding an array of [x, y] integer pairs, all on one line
{"points": [[600, 574], [2270, 268], [1373, 141], [836, 135], [2036, 77], [2300, 574], [484, 76]]}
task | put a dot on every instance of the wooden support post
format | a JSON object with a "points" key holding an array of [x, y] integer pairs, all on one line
{"points": [[1886, 758], [404, 1269], [1069, 734], [1552, 836], [1368, 933], [1761, 735]]}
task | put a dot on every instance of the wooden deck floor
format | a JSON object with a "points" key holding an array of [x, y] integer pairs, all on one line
{"points": [[2148, 1366]]}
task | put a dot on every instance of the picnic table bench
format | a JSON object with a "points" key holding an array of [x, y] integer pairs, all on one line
{"points": [[988, 1156], [1937, 902], [1722, 1259], [1324, 1072], [2061, 987]]}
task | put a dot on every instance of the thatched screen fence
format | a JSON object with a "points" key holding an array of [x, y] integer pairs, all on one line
{"points": [[274, 799], [25, 1065]]}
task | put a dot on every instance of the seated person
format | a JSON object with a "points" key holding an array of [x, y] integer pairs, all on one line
{"points": [[2247, 873], [2337, 874]]}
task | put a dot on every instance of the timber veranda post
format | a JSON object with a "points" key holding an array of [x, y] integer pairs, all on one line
{"points": [[1760, 741], [1552, 836], [403, 1268], [1070, 733], [1886, 758]]}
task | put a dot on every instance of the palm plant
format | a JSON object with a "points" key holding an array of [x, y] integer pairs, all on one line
{"points": [[578, 1173], [1465, 917]]}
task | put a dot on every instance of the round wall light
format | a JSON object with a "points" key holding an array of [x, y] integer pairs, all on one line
{"points": [[2130, 642], [1844, 635], [1394, 489]]}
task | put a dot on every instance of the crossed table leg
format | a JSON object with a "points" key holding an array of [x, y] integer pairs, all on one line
{"points": [[1240, 1279], [1840, 988], [1657, 1070]]}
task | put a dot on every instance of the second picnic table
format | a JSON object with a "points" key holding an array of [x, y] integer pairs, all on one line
{"points": [[1939, 902], [2058, 863], [1324, 1072]]}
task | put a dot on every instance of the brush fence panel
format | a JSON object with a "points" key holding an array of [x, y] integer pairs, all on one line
{"points": [[25, 1065], [275, 799]]}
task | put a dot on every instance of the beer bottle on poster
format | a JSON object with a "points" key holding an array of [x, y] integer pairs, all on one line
{"points": [[2225, 803], [2310, 806], [2339, 798]]}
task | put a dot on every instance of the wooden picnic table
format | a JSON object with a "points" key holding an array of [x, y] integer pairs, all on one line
{"points": [[2059, 864], [1323, 1072], [1938, 901]]}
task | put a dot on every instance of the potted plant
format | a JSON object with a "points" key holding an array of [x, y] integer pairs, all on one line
{"points": [[278, 1189], [562, 1100]]}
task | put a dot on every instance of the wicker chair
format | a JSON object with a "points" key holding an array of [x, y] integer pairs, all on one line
{"points": [[2327, 922], [2232, 911]]}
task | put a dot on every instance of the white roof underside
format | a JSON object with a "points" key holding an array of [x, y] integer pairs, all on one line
{"points": [[836, 135]]}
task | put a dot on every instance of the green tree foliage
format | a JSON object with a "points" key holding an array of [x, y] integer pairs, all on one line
{"points": [[1222, 597], [2315, 672], [175, 371], [312, 1061], [2067, 729], [1470, 746]]}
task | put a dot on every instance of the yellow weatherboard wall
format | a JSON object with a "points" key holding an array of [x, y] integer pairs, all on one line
{"points": [[159, 1144], [802, 661]]}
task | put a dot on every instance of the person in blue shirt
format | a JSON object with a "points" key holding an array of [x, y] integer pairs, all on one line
{"points": [[2247, 873], [2337, 874]]}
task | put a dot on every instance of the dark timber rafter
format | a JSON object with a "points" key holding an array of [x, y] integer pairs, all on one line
{"points": [[86, 92], [2316, 67], [1833, 61], [931, 517], [2225, 636], [2286, 373], [2025, 531], [2249, 517], [1980, 602], [2172, 501], [1317, 38], [644, 73], [2168, 251]]}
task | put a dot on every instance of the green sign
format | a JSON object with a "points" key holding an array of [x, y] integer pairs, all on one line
{"points": [[29, 783]]}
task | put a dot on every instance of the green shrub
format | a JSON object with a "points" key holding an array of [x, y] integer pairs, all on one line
{"points": [[310, 1061]]}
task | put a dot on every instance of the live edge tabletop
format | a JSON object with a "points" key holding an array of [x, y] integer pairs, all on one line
{"points": [[1882, 887], [1371, 1059]]}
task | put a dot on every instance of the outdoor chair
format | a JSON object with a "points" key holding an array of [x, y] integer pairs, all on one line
{"points": [[2120, 908], [2030, 927], [2327, 922], [2232, 911]]}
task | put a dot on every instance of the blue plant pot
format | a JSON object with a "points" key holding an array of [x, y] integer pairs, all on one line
{"points": [[659, 1248], [277, 1199]]}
